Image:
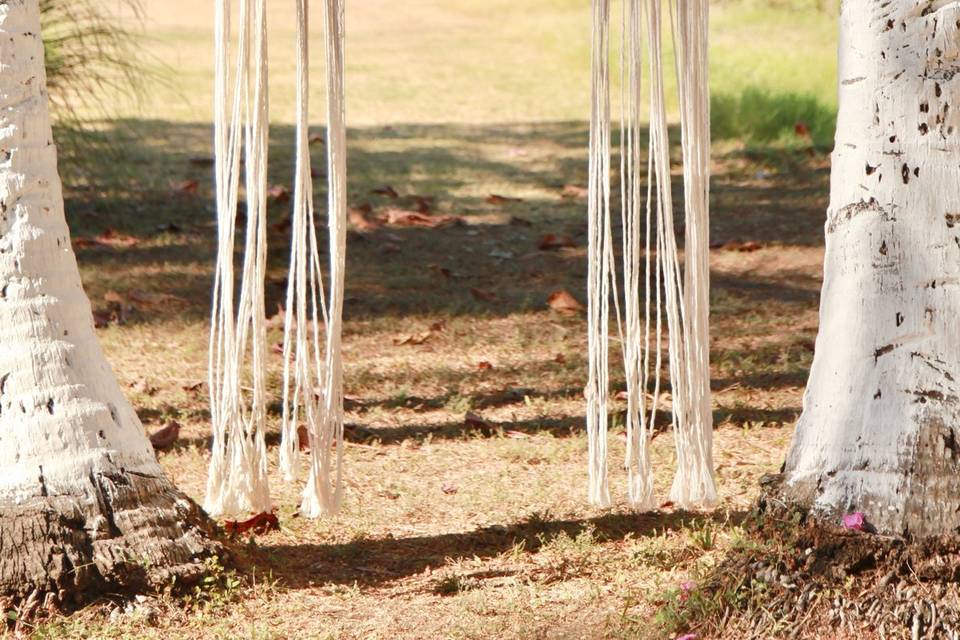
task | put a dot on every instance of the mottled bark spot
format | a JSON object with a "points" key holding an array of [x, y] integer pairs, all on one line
{"points": [[882, 351]]}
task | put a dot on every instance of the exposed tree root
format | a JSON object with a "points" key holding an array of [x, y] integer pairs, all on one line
{"points": [[124, 534], [796, 577]]}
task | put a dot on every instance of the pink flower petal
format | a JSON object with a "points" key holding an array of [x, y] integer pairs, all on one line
{"points": [[853, 521], [687, 636]]}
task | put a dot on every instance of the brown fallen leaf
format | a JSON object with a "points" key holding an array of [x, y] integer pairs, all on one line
{"points": [[102, 319], [185, 187], [193, 387], [414, 339], [407, 218], [113, 238], [801, 129], [386, 190], [552, 241], [560, 359], [303, 438], [260, 523], [484, 366], [494, 198], [743, 247], [279, 193], [562, 302], [358, 218], [574, 192], [449, 488], [482, 295], [164, 438]]}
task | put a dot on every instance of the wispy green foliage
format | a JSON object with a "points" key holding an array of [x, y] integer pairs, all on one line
{"points": [[89, 54]]}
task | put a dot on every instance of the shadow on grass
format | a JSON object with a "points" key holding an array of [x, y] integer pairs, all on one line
{"points": [[409, 271], [371, 562]]}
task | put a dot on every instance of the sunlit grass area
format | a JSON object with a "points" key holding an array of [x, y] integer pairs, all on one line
{"points": [[465, 513]]}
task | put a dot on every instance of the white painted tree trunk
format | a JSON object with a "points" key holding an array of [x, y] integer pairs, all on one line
{"points": [[880, 430], [81, 491]]}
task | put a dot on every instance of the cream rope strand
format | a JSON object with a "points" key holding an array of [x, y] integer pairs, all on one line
{"points": [[237, 481], [681, 295], [598, 286]]}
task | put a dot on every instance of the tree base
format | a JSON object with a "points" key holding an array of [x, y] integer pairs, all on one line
{"points": [[796, 577], [124, 533]]}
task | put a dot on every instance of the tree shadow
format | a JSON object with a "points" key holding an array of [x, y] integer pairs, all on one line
{"points": [[374, 562], [403, 272]]}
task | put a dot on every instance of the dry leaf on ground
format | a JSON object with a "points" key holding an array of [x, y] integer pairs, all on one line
{"points": [[494, 198], [482, 295], [407, 218], [563, 302], [260, 523], [574, 191], [359, 220], [553, 241], [164, 438]]}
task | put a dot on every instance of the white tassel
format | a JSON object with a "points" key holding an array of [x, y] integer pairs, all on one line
{"points": [[313, 375], [635, 335], [694, 484], [685, 294], [237, 481], [598, 287]]}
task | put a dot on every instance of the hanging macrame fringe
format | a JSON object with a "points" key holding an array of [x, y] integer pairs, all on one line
{"points": [[655, 286], [313, 372]]}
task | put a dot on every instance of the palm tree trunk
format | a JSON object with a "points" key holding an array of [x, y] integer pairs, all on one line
{"points": [[880, 430], [84, 505]]}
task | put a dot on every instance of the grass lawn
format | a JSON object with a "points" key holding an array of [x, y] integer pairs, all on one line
{"points": [[457, 528]]}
